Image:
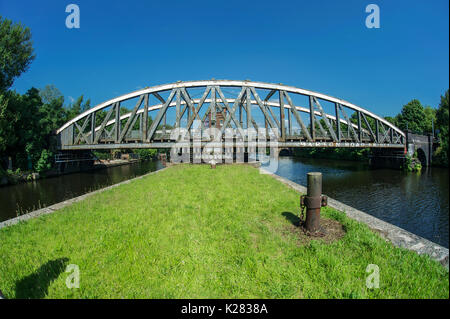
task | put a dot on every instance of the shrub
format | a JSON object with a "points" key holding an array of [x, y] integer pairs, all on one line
{"points": [[146, 154], [45, 161]]}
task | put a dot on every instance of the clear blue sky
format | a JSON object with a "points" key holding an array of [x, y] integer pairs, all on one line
{"points": [[318, 45]]}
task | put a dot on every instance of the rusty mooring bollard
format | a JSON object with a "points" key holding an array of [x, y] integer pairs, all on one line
{"points": [[313, 201]]}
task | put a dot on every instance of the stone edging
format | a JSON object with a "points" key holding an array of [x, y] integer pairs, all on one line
{"points": [[57, 206], [398, 236]]}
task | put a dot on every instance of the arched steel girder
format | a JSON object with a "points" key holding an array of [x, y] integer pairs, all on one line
{"points": [[253, 102], [383, 135]]}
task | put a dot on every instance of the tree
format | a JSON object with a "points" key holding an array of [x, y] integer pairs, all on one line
{"points": [[49, 93], [78, 107], [16, 52], [430, 118], [391, 120], [21, 135], [8, 118], [412, 117], [442, 118]]}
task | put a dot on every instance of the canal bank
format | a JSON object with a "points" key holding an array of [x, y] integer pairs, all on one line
{"points": [[194, 232], [14, 178], [418, 203], [398, 236], [25, 197], [55, 207]]}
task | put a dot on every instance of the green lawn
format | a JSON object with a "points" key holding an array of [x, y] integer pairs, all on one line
{"points": [[195, 232]]}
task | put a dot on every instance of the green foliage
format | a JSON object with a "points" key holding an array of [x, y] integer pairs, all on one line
{"points": [[412, 117], [52, 115], [26, 123], [418, 167], [391, 120], [430, 118], [79, 107], [408, 164], [102, 155], [21, 133], [145, 153], [16, 52], [50, 93], [7, 118], [45, 161], [442, 122], [412, 164]]}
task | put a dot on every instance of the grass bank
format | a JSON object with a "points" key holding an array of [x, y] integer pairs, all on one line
{"points": [[194, 232]]}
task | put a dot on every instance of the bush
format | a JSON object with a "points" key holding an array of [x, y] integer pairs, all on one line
{"points": [[101, 155], [412, 164], [2, 172], [45, 161], [145, 153]]}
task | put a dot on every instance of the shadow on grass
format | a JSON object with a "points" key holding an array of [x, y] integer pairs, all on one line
{"points": [[36, 285], [294, 219]]}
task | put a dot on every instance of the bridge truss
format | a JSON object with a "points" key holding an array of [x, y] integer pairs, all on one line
{"points": [[149, 118]]}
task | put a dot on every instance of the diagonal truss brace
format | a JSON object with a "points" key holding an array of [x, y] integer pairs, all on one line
{"points": [[296, 115], [325, 119], [160, 114], [349, 123], [81, 130]]}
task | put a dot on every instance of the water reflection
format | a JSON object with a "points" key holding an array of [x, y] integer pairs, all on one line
{"points": [[418, 203]]}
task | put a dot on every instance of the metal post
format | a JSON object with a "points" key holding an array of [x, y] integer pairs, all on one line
{"points": [[289, 124], [240, 114], [312, 119], [145, 120], [338, 122], [213, 108], [313, 202], [282, 123], [178, 109], [360, 133], [92, 127], [248, 108], [117, 120], [164, 126]]}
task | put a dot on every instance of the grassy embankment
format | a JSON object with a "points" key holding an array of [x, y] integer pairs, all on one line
{"points": [[195, 232]]}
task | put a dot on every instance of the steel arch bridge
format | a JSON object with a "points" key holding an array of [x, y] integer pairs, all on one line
{"points": [[293, 116]]}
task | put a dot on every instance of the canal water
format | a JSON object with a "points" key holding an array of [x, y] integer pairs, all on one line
{"points": [[418, 203], [25, 197]]}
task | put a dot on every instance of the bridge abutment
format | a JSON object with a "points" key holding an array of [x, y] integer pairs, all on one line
{"points": [[422, 144], [419, 146]]}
